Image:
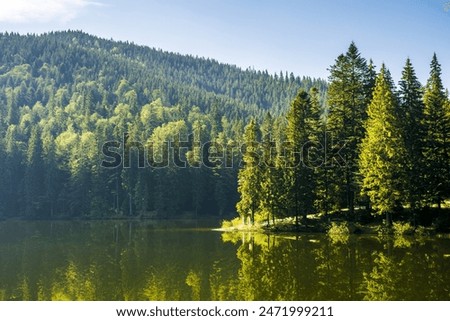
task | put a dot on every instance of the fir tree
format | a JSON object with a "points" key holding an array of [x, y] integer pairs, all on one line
{"points": [[349, 94], [383, 151], [34, 177], [270, 173], [411, 113], [249, 177], [436, 149], [318, 156], [299, 175]]}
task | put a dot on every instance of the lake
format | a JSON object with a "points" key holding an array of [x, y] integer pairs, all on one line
{"points": [[153, 260]]}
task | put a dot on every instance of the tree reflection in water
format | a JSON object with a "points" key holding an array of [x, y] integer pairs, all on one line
{"points": [[114, 261]]}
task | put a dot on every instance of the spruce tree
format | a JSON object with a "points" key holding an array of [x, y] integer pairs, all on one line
{"points": [[383, 150], [411, 113], [436, 149], [13, 173], [299, 176], [349, 94], [249, 177], [34, 177], [271, 190], [51, 172], [317, 155]]}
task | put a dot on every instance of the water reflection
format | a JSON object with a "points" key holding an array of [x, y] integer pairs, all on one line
{"points": [[147, 261]]}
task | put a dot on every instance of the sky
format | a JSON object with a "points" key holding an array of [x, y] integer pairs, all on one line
{"points": [[299, 36]]}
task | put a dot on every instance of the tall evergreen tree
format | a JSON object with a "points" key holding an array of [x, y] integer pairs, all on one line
{"points": [[34, 177], [271, 189], [3, 178], [436, 144], [411, 113], [13, 173], [51, 179], [12, 116], [249, 177], [318, 156], [383, 150], [299, 175], [349, 94]]}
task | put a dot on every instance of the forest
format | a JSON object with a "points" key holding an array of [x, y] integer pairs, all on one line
{"points": [[373, 149], [79, 114], [64, 94]]}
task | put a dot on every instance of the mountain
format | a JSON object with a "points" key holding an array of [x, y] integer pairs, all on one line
{"points": [[73, 56], [63, 95]]}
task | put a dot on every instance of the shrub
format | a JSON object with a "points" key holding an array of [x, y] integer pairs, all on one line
{"points": [[339, 228], [400, 228], [339, 232], [234, 223]]}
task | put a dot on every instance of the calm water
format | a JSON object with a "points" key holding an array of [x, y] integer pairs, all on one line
{"points": [[148, 261]]}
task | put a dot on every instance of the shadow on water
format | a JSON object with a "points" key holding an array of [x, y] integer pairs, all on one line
{"points": [[162, 260]]}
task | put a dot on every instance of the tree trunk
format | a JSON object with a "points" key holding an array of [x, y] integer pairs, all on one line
{"points": [[388, 219]]}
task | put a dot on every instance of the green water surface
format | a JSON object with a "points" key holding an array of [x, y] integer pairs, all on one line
{"points": [[150, 260]]}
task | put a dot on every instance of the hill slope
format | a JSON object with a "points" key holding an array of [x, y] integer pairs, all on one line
{"points": [[70, 57], [64, 94]]}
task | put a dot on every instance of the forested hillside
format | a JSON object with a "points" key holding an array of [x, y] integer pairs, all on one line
{"points": [[94, 128], [379, 149], [64, 94]]}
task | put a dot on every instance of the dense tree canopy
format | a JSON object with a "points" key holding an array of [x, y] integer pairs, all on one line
{"points": [[351, 83], [379, 150], [96, 128], [383, 152], [63, 95]]}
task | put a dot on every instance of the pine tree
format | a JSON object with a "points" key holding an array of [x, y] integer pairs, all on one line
{"points": [[370, 80], [12, 116], [281, 165], [13, 172], [299, 176], [270, 172], [349, 94], [83, 154], [383, 150], [194, 157], [51, 172], [318, 156], [3, 179], [34, 177], [436, 148], [411, 113], [249, 177], [221, 175]]}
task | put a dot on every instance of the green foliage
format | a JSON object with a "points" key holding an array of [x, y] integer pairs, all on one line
{"points": [[400, 228], [249, 177], [349, 93], [339, 232], [234, 223], [271, 183], [421, 232], [299, 173], [64, 94], [410, 115], [382, 150], [339, 228], [194, 281], [380, 283], [436, 147]]}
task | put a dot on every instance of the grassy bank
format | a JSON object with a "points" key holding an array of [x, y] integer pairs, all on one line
{"points": [[425, 222]]}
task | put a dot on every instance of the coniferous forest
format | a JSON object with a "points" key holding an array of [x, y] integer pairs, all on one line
{"points": [[94, 128]]}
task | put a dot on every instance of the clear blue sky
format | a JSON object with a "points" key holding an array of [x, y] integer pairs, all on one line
{"points": [[303, 36]]}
